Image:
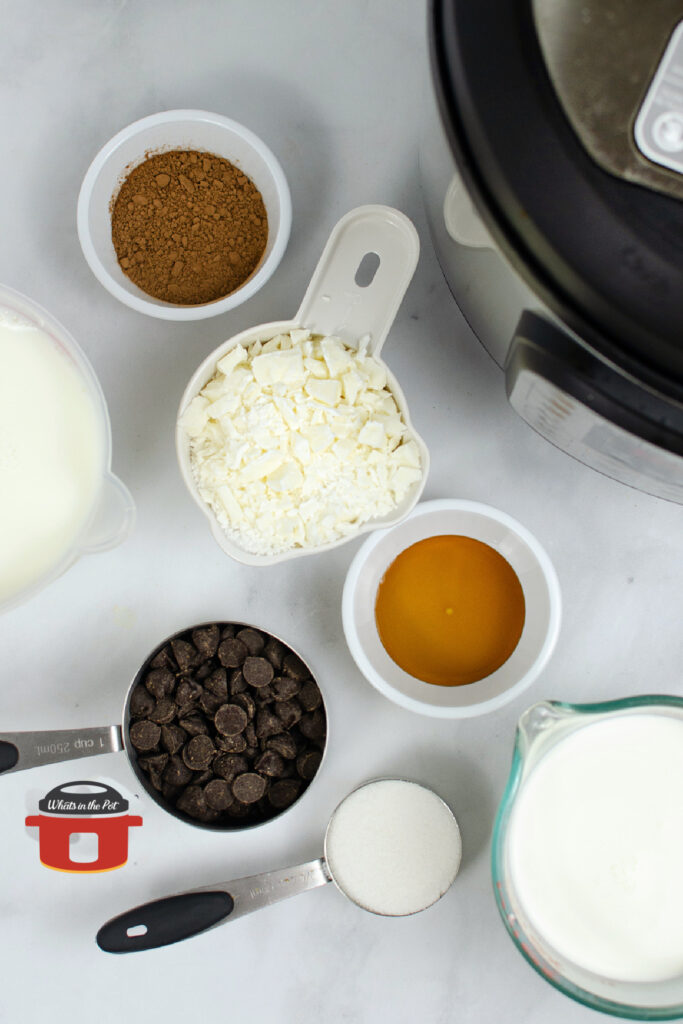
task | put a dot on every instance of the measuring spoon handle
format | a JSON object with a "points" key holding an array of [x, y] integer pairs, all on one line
{"points": [[22, 750], [173, 918]]}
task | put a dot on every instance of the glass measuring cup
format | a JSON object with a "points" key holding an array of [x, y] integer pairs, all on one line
{"points": [[541, 728], [173, 918], [112, 512], [355, 292]]}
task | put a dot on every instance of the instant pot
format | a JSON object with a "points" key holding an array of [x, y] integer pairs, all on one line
{"points": [[552, 172]]}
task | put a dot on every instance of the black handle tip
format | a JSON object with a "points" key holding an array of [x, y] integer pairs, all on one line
{"points": [[164, 921], [9, 755]]}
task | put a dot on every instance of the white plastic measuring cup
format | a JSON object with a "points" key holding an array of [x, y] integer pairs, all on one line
{"points": [[354, 293], [112, 512]]}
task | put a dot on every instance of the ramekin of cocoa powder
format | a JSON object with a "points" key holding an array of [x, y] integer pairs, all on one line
{"points": [[184, 215]]}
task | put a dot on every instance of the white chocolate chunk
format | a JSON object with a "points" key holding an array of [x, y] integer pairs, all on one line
{"points": [[296, 441], [231, 359], [194, 418]]}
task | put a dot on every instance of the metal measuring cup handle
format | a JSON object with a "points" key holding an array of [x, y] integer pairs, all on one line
{"points": [[22, 750], [173, 918]]}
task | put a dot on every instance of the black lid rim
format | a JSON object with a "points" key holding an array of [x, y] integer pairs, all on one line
{"points": [[584, 306], [62, 800]]}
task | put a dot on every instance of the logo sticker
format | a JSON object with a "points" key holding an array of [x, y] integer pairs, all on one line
{"points": [[83, 828]]}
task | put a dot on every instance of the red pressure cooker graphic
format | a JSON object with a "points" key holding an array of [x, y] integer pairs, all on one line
{"points": [[71, 809]]}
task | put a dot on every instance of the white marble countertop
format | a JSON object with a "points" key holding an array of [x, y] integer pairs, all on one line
{"points": [[338, 91]]}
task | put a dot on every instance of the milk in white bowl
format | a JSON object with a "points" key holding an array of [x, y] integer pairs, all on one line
{"points": [[50, 453], [595, 847]]}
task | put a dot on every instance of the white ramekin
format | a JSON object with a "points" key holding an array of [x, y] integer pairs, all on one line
{"points": [[178, 129], [541, 595]]}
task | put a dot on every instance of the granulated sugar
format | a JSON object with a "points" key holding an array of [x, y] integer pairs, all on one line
{"points": [[393, 847]]}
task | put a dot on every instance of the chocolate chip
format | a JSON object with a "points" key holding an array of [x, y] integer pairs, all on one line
{"points": [[310, 696], [249, 787], [252, 640], [163, 712], [283, 793], [312, 725], [206, 640], [246, 701], [141, 702], [155, 763], [218, 794], [187, 692], [275, 652], [232, 653], [164, 659], [170, 792], [160, 682], [217, 683], [227, 632], [257, 671], [231, 744], [144, 735], [294, 667], [192, 803], [238, 810], [283, 744], [172, 738], [229, 765], [307, 764], [210, 703], [237, 682], [185, 654], [289, 712], [284, 688], [205, 670], [176, 772], [198, 753], [268, 724], [230, 719], [271, 764], [206, 776], [195, 725]]}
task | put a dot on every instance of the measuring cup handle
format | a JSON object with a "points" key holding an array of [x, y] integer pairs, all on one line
{"points": [[22, 750], [113, 519], [174, 918], [345, 298], [164, 921]]}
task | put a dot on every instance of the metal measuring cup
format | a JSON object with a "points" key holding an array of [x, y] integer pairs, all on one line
{"points": [[20, 751], [173, 918]]}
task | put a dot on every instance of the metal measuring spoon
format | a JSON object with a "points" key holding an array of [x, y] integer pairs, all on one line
{"points": [[172, 918]]}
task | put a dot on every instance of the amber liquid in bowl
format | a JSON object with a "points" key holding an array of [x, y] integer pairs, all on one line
{"points": [[450, 610]]}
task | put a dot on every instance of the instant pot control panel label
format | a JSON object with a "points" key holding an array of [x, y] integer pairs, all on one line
{"points": [[659, 125], [594, 440]]}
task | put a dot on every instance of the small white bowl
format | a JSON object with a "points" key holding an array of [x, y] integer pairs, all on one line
{"points": [[178, 129], [541, 595]]}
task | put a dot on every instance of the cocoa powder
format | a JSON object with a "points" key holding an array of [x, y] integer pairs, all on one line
{"points": [[188, 227]]}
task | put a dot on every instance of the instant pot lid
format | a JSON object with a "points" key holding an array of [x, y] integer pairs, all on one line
{"points": [[605, 254]]}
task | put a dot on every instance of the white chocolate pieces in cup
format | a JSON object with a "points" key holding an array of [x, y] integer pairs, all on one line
{"points": [[297, 441]]}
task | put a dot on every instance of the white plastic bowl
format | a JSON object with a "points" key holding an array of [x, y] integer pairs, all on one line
{"points": [[179, 129], [541, 595]]}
